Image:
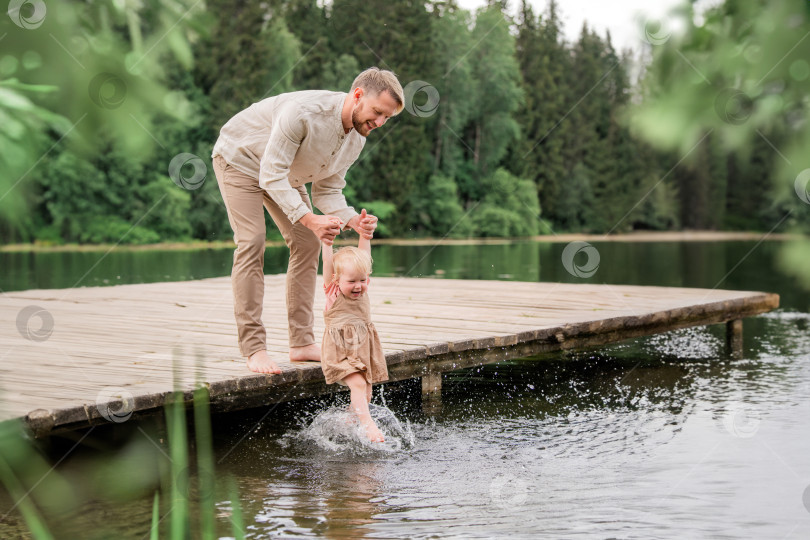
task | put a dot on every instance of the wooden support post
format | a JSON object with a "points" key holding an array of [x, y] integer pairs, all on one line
{"points": [[432, 392], [734, 338]]}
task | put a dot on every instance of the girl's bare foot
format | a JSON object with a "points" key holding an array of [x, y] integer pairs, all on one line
{"points": [[372, 431], [260, 363], [307, 353], [359, 405]]}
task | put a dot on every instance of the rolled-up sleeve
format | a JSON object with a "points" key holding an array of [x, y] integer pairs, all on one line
{"points": [[274, 168], [327, 196]]}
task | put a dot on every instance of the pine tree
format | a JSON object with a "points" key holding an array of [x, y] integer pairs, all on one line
{"points": [[499, 89], [543, 61], [308, 22], [249, 56], [398, 157]]}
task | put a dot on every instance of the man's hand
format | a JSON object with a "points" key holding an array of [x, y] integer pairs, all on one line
{"points": [[325, 227], [364, 224]]}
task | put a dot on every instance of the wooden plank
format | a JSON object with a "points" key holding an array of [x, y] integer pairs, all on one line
{"points": [[146, 338]]}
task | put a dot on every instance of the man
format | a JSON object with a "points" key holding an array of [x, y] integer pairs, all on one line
{"points": [[264, 157]]}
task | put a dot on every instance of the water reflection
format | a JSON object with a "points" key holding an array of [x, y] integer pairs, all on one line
{"points": [[664, 437], [675, 264]]}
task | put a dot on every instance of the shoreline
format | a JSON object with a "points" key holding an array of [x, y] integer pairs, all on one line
{"points": [[646, 236]]}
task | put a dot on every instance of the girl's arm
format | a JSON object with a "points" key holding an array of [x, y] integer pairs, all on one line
{"points": [[327, 263], [364, 243]]}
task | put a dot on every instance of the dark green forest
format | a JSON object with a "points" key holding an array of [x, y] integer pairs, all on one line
{"points": [[509, 129]]}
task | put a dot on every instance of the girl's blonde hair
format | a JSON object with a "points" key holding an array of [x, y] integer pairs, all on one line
{"points": [[350, 257]]}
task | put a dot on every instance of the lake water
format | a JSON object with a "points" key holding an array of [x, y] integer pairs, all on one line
{"points": [[660, 437]]}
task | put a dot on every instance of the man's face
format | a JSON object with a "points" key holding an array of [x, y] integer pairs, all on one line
{"points": [[370, 112]]}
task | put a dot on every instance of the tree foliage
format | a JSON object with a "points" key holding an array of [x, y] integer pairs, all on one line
{"points": [[504, 120]]}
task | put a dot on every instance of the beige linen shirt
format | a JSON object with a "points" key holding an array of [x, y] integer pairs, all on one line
{"points": [[289, 140]]}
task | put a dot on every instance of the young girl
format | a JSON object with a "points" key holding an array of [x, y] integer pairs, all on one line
{"points": [[351, 353]]}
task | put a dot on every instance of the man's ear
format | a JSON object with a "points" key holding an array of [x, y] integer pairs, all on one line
{"points": [[358, 93]]}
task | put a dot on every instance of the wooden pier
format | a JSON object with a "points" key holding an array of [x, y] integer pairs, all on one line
{"points": [[78, 357]]}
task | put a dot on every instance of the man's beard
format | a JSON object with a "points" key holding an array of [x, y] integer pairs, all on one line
{"points": [[360, 127]]}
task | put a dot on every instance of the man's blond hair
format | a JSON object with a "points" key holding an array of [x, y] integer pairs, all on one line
{"points": [[375, 80], [350, 257]]}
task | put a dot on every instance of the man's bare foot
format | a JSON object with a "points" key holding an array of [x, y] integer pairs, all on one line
{"points": [[260, 363], [307, 353]]}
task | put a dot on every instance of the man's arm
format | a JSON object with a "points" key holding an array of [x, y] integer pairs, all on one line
{"points": [[274, 167], [327, 196], [274, 177]]}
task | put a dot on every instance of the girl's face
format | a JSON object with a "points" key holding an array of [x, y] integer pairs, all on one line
{"points": [[353, 283]]}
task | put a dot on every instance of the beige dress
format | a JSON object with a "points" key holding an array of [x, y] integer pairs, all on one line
{"points": [[351, 343]]}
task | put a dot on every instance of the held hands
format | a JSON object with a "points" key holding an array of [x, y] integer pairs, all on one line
{"points": [[325, 227], [365, 224]]}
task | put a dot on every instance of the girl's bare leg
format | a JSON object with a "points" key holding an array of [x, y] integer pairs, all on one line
{"points": [[359, 405]]}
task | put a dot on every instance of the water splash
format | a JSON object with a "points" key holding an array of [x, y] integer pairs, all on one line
{"points": [[687, 343], [336, 431]]}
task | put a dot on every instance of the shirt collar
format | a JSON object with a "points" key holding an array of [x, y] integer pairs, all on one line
{"points": [[338, 119]]}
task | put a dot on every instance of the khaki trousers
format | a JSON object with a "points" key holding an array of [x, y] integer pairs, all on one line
{"points": [[245, 202]]}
